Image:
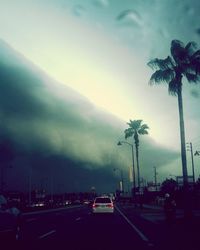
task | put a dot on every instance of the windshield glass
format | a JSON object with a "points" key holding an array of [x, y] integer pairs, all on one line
{"points": [[100, 98]]}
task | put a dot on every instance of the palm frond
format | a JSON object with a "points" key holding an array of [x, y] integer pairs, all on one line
{"points": [[173, 87], [144, 126], [187, 68], [161, 63], [178, 51], [162, 76], [143, 129], [192, 77], [196, 55], [134, 124], [190, 48], [143, 132], [128, 133], [195, 62]]}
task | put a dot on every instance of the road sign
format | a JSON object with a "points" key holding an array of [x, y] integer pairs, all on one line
{"points": [[179, 180]]}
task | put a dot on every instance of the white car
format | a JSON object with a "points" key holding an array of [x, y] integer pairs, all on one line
{"points": [[103, 205]]}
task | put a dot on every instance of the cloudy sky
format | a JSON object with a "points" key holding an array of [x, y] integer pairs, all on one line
{"points": [[74, 72]]}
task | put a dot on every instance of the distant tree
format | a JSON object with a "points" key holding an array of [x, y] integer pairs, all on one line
{"points": [[169, 186], [197, 184], [185, 62], [135, 129]]}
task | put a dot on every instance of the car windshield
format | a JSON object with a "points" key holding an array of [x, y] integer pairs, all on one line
{"points": [[99, 114]]}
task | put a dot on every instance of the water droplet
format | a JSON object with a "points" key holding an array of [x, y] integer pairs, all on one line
{"points": [[194, 93], [79, 10], [163, 33], [198, 31], [101, 3], [130, 17], [189, 10]]}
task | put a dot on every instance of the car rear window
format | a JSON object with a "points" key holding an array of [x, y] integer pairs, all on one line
{"points": [[103, 200]]}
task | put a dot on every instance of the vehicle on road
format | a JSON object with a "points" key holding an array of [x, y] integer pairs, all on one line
{"points": [[9, 220], [103, 205]]}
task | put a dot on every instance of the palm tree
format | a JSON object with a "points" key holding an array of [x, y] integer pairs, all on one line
{"points": [[183, 62], [135, 129]]}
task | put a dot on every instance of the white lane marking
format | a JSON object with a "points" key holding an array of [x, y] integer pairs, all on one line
{"points": [[142, 236], [31, 219], [47, 234], [6, 231], [79, 218], [78, 207]]}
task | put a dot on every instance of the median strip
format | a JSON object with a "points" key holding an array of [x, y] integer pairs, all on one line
{"points": [[47, 234], [79, 218]]}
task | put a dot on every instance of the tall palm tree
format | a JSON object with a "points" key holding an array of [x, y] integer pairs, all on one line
{"points": [[135, 129], [183, 62]]}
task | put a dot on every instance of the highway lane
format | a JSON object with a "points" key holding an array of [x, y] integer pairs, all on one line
{"points": [[78, 228]]}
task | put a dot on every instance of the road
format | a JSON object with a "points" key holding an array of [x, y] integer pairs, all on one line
{"points": [[77, 228]]}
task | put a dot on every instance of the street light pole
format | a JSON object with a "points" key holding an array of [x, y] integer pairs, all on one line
{"points": [[191, 151], [121, 177], [197, 153], [155, 177], [30, 186], [132, 152]]}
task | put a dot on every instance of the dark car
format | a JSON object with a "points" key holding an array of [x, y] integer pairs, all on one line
{"points": [[9, 221]]}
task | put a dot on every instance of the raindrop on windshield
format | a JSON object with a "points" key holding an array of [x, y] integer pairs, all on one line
{"points": [[194, 93], [128, 17], [79, 10], [189, 10], [101, 3], [198, 31]]}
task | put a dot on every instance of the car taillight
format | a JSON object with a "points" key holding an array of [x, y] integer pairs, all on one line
{"points": [[110, 205], [94, 205]]}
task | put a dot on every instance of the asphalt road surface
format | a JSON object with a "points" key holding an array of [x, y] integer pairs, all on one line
{"points": [[77, 228]]}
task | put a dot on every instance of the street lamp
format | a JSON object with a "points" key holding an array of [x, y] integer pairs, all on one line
{"points": [[131, 145]]}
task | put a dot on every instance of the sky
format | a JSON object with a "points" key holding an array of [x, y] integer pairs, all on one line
{"points": [[89, 60]]}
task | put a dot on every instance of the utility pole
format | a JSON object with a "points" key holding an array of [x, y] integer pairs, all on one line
{"points": [[122, 180], [121, 183], [191, 151], [155, 177], [132, 152], [51, 181], [30, 185]]}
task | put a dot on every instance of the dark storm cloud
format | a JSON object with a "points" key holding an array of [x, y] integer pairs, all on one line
{"points": [[50, 127]]}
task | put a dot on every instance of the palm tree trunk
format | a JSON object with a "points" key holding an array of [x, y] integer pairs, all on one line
{"points": [[187, 202], [182, 136]]}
